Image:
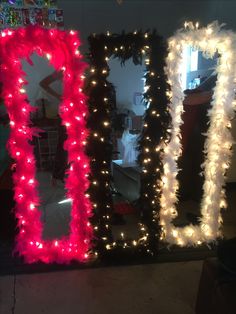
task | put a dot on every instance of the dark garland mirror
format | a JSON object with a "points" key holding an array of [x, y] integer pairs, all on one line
{"points": [[128, 121]]}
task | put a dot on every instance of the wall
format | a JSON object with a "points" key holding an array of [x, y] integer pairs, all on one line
{"points": [[127, 81], [164, 15], [34, 74]]}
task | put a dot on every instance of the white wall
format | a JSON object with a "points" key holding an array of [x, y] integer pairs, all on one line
{"points": [[127, 81], [34, 74]]}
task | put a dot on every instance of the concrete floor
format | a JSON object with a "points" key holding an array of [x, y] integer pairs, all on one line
{"points": [[144, 289], [164, 288]]}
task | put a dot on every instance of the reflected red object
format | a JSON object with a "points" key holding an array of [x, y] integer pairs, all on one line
{"points": [[124, 208]]}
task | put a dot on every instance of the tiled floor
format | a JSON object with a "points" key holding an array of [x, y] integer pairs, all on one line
{"points": [[169, 288]]}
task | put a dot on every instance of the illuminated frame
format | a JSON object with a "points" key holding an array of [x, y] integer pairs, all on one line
{"points": [[137, 46], [61, 49], [218, 142]]}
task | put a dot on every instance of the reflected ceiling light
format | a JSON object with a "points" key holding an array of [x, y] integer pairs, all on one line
{"points": [[67, 200]]}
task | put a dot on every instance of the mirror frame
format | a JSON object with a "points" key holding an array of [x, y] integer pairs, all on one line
{"points": [[218, 145], [138, 46], [61, 49]]}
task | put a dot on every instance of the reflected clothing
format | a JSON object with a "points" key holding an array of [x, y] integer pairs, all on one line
{"points": [[129, 142], [195, 114]]}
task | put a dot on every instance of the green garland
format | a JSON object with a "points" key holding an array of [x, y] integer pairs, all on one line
{"points": [[151, 48]]}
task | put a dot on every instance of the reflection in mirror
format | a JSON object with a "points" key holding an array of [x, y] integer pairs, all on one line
{"points": [[44, 91], [7, 219], [198, 81], [127, 125]]}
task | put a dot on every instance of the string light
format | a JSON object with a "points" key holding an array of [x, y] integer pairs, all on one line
{"points": [[210, 40], [102, 48], [48, 56], [29, 243]]}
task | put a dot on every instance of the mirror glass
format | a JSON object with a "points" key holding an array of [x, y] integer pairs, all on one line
{"points": [[44, 90], [198, 82], [127, 125]]}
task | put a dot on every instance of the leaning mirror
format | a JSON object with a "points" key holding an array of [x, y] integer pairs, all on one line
{"points": [[128, 122], [48, 151]]}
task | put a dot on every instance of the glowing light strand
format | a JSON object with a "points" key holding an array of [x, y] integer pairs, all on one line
{"points": [[61, 48], [140, 47], [209, 40]]}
